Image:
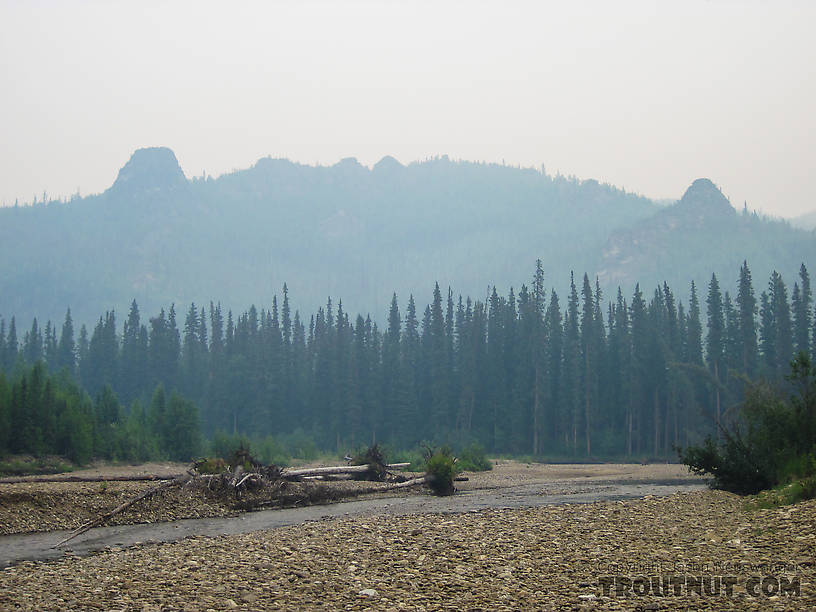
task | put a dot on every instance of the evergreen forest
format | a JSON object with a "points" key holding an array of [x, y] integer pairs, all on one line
{"points": [[529, 372]]}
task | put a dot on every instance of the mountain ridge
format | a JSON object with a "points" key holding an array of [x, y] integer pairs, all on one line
{"points": [[346, 231]]}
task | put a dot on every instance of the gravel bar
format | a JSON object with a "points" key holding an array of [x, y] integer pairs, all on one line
{"points": [[548, 557]]}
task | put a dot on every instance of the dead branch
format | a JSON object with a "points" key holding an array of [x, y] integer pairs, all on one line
{"points": [[246, 477], [236, 475], [180, 480]]}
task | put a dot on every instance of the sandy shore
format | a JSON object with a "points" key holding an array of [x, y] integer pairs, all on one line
{"points": [[550, 557]]}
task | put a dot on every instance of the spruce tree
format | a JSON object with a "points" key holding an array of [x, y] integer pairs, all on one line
{"points": [[553, 333], [589, 368], [640, 339], [767, 335], [620, 359], [438, 365], [82, 353], [571, 378], [715, 343], [33, 344], [193, 358], [101, 362], [537, 335], [391, 364], [12, 346], [66, 352], [50, 346], [778, 294], [133, 371], [746, 311], [801, 301], [496, 371]]}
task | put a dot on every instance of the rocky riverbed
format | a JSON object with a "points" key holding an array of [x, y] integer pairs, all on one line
{"points": [[573, 556], [51, 506]]}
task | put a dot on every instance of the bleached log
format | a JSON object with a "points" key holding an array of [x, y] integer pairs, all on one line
{"points": [[414, 482], [338, 469]]}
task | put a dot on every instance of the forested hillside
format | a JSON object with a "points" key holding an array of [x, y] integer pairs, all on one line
{"points": [[702, 232], [159, 238], [527, 371]]}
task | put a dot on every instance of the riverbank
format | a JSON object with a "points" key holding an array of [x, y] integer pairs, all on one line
{"points": [[549, 557], [52, 506]]}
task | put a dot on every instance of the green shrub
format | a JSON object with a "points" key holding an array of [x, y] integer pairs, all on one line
{"points": [[373, 455], [800, 467], [472, 459], [785, 495], [270, 451], [413, 456], [299, 445], [441, 468], [771, 443], [24, 466]]}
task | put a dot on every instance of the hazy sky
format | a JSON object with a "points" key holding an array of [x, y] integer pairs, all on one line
{"points": [[644, 95]]}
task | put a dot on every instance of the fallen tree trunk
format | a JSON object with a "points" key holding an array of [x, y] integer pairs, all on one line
{"points": [[64, 478], [180, 480], [338, 469], [414, 482], [408, 483], [328, 477]]}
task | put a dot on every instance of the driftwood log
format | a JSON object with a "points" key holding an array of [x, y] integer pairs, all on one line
{"points": [[414, 482], [180, 480], [338, 469], [304, 472], [236, 482]]}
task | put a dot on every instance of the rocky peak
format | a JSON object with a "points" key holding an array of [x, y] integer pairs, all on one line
{"points": [[705, 197], [387, 164], [150, 169]]}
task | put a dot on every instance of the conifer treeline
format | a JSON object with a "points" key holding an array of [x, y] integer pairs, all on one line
{"points": [[44, 413], [519, 373]]}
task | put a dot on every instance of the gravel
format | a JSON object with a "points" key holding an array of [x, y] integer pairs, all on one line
{"points": [[549, 557], [50, 506], [38, 507]]}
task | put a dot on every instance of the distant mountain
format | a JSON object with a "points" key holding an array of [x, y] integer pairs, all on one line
{"points": [[358, 234], [699, 235], [343, 231]]}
